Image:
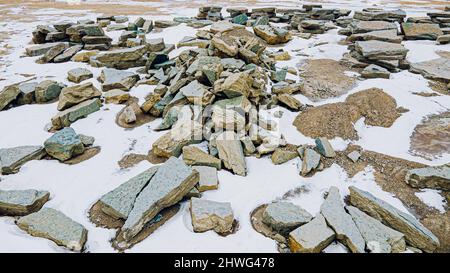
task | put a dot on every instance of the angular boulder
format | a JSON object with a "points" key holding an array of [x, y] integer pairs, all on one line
{"points": [[210, 215], [11, 159], [436, 177], [312, 237], [64, 144], [231, 153], [22, 202], [194, 156], [207, 178], [76, 94], [284, 217], [117, 79], [74, 113]]}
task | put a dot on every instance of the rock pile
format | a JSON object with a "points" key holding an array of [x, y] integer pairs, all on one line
{"points": [[367, 224]]}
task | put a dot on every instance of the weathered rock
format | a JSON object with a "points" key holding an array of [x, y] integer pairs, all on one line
{"points": [[290, 102], [128, 115], [173, 180], [389, 35], [78, 75], [53, 52], [74, 113], [368, 26], [375, 14], [415, 233], [375, 71], [54, 225], [147, 26], [8, 94], [444, 39], [171, 143], [27, 93], [414, 31], [228, 119], [207, 178], [231, 153], [117, 79], [378, 237], [86, 140], [11, 159], [324, 147], [272, 35], [37, 50], [165, 23], [22, 202], [224, 26], [342, 223], [378, 50], [312, 237], [67, 54], [436, 177], [47, 91], [436, 69], [226, 45], [285, 88], [84, 56], [195, 157], [116, 96], [64, 144], [210, 215], [284, 154], [95, 40], [117, 57], [284, 217], [310, 161], [119, 202], [76, 94], [354, 156], [324, 78], [236, 85]]}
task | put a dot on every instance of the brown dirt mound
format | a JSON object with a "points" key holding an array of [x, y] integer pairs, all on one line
{"points": [[431, 138], [325, 78], [337, 119]]}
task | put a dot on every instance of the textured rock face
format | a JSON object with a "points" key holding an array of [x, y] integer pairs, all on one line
{"points": [[285, 217], [341, 222], [375, 71], [197, 93], [116, 96], [37, 50], [117, 79], [76, 94], [367, 26], [11, 159], [22, 202], [284, 154], [171, 143], [74, 113], [207, 178], [210, 215], [379, 35], [121, 55], [324, 147], [67, 54], [47, 91], [378, 237], [8, 94], [55, 226], [64, 144], [324, 78], [312, 237], [413, 31], [231, 153], [415, 233], [437, 69], [119, 202], [378, 50], [78, 75], [272, 35], [194, 156], [173, 180], [431, 177], [27, 93]]}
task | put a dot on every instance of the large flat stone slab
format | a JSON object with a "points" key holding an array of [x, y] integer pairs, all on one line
{"points": [[341, 222], [437, 69], [173, 180], [415, 233], [285, 216], [436, 177], [51, 224], [11, 159], [74, 113], [210, 215], [312, 237], [22, 202], [231, 153], [379, 238]]}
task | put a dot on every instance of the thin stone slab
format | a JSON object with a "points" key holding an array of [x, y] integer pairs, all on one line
{"points": [[210, 215], [310, 161], [389, 35], [117, 79], [78, 75], [119, 202], [341, 222], [231, 152], [367, 26], [74, 113], [12, 159], [436, 177], [415, 233], [324, 147], [378, 50], [173, 180], [73, 95], [196, 157], [413, 31], [379, 238], [51, 224], [8, 94], [312, 237], [285, 216], [41, 49], [437, 69], [22, 202], [208, 178]]}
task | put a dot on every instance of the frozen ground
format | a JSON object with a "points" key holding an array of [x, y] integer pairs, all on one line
{"points": [[75, 188]]}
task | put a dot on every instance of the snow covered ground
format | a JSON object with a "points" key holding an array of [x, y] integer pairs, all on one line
{"points": [[74, 189]]}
